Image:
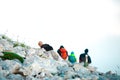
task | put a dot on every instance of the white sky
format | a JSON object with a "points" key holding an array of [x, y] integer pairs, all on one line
{"points": [[76, 24]]}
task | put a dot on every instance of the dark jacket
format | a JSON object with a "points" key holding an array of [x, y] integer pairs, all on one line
{"points": [[82, 58], [47, 47]]}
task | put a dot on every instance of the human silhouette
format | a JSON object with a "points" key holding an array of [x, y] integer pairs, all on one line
{"points": [[47, 47], [72, 57], [63, 52], [84, 57], [49, 50]]}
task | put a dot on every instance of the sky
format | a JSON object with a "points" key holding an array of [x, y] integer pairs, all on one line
{"points": [[78, 24]]}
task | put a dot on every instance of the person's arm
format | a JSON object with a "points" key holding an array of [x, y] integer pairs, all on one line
{"points": [[89, 60], [59, 52], [67, 53], [80, 58]]}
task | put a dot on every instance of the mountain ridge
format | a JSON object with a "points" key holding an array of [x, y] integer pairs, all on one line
{"points": [[39, 65]]}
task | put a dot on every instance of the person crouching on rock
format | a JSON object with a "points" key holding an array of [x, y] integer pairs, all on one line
{"points": [[49, 50], [72, 58], [63, 52]]}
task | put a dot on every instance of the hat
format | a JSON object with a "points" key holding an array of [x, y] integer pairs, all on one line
{"points": [[72, 52]]}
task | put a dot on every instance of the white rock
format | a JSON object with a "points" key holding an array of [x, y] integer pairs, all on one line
{"points": [[77, 67], [1, 54], [91, 68], [15, 77], [4, 73], [7, 45], [41, 65], [1, 47]]}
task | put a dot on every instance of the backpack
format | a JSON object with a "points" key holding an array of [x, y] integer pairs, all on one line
{"points": [[63, 53]]}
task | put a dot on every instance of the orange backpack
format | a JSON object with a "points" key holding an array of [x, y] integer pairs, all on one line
{"points": [[63, 53]]}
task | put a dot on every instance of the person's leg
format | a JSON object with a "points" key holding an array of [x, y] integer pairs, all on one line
{"points": [[55, 55]]}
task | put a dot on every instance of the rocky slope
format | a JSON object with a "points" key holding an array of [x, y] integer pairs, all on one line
{"points": [[39, 65]]}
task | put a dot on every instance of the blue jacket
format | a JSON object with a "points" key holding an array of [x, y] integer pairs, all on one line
{"points": [[72, 58]]}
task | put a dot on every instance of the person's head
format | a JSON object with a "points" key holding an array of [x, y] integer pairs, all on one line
{"points": [[72, 53], [61, 46], [86, 50], [40, 43]]}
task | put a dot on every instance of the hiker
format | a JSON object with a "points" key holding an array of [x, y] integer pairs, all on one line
{"points": [[62, 52], [72, 57], [48, 49], [85, 58]]}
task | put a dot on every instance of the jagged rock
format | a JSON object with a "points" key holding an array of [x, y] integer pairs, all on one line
{"points": [[77, 67], [1, 47], [5, 45], [41, 65], [15, 77]]}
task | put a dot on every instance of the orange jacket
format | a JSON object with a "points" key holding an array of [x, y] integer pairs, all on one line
{"points": [[64, 54]]}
